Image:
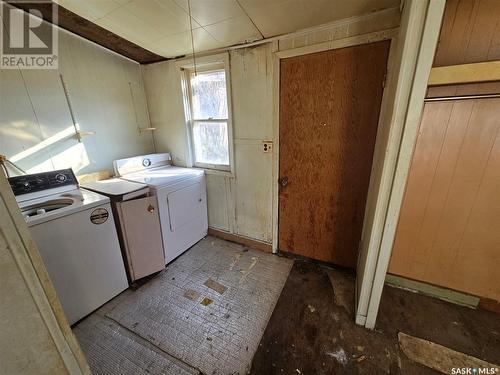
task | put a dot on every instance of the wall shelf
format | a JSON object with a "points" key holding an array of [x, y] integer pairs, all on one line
{"points": [[80, 134], [143, 130]]}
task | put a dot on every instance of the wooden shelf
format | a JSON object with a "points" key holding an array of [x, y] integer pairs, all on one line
{"points": [[465, 73]]}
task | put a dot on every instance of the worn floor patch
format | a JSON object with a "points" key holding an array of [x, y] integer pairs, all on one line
{"points": [[206, 301], [191, 294], [439, 357], [312, 329], [112, 349], [218, 287], [220, 338]]}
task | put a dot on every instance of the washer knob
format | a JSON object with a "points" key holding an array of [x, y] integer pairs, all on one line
{"points": [[60, 177]]}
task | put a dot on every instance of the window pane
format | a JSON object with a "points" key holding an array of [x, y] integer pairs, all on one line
{"points": [[209, 95], [210, 142]]}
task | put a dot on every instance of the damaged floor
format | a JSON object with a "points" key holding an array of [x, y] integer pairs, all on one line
{"points": [[205, 313], [220, 305], [312, 331]]}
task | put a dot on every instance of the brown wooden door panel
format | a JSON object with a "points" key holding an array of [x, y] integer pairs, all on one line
{"points": [[329, 110]]}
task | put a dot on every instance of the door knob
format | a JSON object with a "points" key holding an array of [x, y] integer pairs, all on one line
{"points": [[151, 208], [283, 181]]}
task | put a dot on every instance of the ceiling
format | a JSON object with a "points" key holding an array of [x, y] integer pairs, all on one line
{"points": [[163, 27]]}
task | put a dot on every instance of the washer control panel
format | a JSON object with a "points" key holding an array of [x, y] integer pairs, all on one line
{"points": [[42, 181]]}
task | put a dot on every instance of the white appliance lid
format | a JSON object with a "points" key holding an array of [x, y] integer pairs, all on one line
{"points": [[115, 186], [165, 176], [80, 200], [141, 163]]}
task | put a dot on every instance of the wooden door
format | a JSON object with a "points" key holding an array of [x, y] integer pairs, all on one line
{"points": [[329, 109]]}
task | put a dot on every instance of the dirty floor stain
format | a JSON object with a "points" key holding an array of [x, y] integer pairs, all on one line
{"points": [[162, 327], [312, 328]]}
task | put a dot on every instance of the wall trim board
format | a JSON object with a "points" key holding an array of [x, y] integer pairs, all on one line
{"points": [[15, 236], [465, 73], [404, 143], [376, 36], [369, 17], [275, 66], [245, 241], [400, 78], [441, 293]]}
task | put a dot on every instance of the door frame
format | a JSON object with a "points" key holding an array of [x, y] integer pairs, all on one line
{"points": [[401, 109]]}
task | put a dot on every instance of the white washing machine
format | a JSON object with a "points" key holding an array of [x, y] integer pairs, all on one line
{"points": [[181, 195], [76, 236]]}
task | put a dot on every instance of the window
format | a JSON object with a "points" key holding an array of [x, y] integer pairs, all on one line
{"points": [[208, 117]]}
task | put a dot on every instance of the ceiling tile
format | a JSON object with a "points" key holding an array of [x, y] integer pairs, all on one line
{"points": [[163, 15], [162, 26], [90, 9], [180, 44], [125, 24], [207, 12], [234, 30], [276, 17]]}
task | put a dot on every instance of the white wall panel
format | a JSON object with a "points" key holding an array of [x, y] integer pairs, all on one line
{"points": [[164, 94], [33, 109], [217, 202], [252, 93], [253, 193]]}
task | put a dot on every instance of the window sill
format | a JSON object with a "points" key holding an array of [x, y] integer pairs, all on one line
{"points": [[216, 172]]}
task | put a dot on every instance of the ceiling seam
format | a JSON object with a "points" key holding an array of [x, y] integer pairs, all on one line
{"points": [[187, 14], [110, 11], [250, 18]]}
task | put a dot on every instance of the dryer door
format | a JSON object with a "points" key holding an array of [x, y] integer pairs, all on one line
{"points": [[186, 205]]}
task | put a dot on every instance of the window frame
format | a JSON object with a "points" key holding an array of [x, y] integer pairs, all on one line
{"points": [[203, 65]]}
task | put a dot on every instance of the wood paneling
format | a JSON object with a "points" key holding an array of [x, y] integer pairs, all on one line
{"points": [[470, 32], [329, 109], [448, 232]]}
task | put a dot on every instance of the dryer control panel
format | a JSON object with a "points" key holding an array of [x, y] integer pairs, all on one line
{"points": [[31, 183]]}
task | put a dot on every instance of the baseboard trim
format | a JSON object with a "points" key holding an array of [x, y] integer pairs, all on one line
{"points": [[489, 304], [245, 241], [444, 294]]}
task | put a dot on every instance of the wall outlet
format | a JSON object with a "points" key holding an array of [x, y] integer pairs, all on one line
{"points": [[267, 146]]}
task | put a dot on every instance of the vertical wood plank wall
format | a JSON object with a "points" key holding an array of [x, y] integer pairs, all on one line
{"points": [[470, 32], [448, 232]]}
